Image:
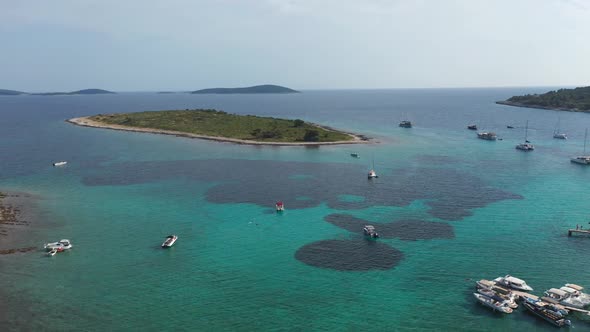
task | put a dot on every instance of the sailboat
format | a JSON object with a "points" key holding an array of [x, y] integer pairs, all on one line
{"points": [[372, 173], [583, 159], [526, 146], [557, 134], [405, 123]]}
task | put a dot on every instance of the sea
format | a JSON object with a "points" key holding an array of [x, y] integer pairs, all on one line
{"points": [[451, 209]]}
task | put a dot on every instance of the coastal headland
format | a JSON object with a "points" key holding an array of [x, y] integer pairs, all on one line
{"points": [[571, 100], [220, 126]]}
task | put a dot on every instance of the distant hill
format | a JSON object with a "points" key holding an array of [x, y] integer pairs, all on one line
{"points": [[577, 100], [79, 92], [4, 92], [268, 88]]}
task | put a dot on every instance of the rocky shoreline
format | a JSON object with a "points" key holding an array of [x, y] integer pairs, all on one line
{"points": [[511, 103], [87, 122]]}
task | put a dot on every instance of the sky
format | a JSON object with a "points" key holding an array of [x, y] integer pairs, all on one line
{"points": [[180, 45]]}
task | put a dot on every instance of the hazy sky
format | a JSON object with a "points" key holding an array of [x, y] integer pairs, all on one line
{"points": [[134, 45]]}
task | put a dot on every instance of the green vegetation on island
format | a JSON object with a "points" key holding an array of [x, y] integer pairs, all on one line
{"points": [[577, 100], [207, 122], [268, 88]]}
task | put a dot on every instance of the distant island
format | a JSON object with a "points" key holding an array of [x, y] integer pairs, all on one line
{"points": [[575, 100], [221, 126], [4, 92], [268, 88], [79, 92]]}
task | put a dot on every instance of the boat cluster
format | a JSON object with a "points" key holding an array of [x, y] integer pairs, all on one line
{"points": [[59, 246], [502, 294]]}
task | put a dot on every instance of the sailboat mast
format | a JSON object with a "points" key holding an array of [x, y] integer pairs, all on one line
{"points": [[526, 130], [585, 139]]}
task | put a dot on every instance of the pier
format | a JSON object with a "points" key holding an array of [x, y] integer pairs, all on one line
{"points": [[577, 231]]}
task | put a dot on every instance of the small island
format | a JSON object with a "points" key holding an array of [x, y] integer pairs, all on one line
{"points": [[268, 88], [4, 92], [79, 92], [575, 100], [221, 126]]}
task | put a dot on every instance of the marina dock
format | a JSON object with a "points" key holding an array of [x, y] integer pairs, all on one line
{"points": [[578, 231]]}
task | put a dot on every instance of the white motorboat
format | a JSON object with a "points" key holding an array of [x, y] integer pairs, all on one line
{"points": [[60, 163], [557, 133], [509, 299], [60, 245], [369, 230], [576, 298], [169, 242], [487, 135], [583, 159], [493, 304], [514, 283], [372, 174]]}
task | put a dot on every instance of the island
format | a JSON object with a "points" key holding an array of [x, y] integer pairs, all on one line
{"points": [[79, 92], [221, 126], [267, 88], [4, 92], [575, 100]]}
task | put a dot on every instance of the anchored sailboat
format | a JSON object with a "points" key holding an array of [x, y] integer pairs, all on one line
{"points": [[556, 133], [372, 173], [526, 146], [583, 159]]}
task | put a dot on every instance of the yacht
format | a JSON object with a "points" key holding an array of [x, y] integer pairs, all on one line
{"points": [[509, 300], [557, 133], [369, 230], [61, 244], [514, 283], [279, 206], [405, 124], [526, 146], [548, 312], [583, 159], [372, 174], [60, 163], [568, 296], [487, 135], [472, 127], [500, 306], [169, 242]]}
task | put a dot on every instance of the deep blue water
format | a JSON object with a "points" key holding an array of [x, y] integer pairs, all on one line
{"points": [[451, 209]]}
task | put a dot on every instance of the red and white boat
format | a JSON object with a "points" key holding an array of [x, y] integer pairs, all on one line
{"points": [[169, 242], [280, 206]]}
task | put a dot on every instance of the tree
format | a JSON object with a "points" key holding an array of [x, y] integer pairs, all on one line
{"points": [[298, 123], [311, 135]]}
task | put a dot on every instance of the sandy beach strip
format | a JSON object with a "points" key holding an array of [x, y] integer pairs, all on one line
{"points": [[87, 122]]}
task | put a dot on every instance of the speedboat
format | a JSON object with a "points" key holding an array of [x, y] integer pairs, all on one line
{"points": [[514, 283], [279, 206], [169, 242], [583, 160], [525, 146], [472, 127], [548, 312], [500, 306], [405, 124], [60, 163], [487, 135], [372, 174], [576, 298], [369, 230], [61, 244]]}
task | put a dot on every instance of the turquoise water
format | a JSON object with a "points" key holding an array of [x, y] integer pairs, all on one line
{"points": [[240, 266]]}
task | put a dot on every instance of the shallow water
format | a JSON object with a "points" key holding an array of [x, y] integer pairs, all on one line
{"points": [[451, 209]]}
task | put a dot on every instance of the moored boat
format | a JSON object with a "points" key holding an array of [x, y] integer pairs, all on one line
{"points": [[514, 283], [547, 312], [369, 230], [405, 124], [493, 304], [472, 127], [60, 163], [355, 155], [509, 300], [61, 244], [279, 206], [372, 174], [487, 135], [583, 159], [526, 146], [169, 242], [52, 252]]}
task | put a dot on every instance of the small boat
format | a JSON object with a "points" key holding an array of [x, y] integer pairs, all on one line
{"points": [[60, 163], [576, 298], [510, 127], [405, 124], [487, 135], [52, 252], [472, 127], [509, 300], [514, 283], [547, 311], [526, 146], [369, 230], [169, 242], [583, 159], [60, 245], [279, 206], [556, 133], [355, 155], [372, 173], [491, 303]]}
